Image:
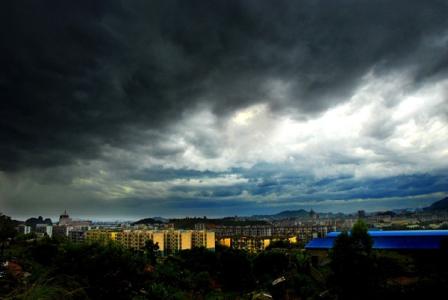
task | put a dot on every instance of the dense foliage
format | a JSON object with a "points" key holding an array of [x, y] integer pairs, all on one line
{"points": [[60, 269], [7, 231]]}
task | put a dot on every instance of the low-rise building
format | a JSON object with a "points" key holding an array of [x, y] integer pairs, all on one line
{"points": [[247, 231], [250, 244], [396, 240], [24, 229]]}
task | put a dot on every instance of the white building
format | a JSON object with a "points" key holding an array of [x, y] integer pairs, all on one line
{"points": [[24, 229], [44, 229]]}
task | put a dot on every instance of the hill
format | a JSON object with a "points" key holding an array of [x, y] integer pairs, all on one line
{"points": [[439, 205], [293, 214], [148, 221], [301, 213]]}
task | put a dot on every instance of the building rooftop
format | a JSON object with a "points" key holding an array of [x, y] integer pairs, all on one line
{"points": [[393, 240]]}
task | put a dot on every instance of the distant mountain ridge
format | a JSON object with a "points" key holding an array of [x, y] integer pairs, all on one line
{"points": [[293, 213], [301, 213], [148, 221], [439, 205]]}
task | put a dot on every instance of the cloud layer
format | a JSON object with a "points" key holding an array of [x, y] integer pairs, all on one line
{"points": [[174, 107]]}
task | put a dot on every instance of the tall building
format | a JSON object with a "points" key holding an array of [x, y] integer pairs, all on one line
{"points": [[250, 244], [76, 236], [176, 240], [60, 231], [136, 239], [249, 231], [203, 238], [64, 219], [361, 214], [199, 226], [44, 229], [186, 241], [102, 236], [169, 241]]}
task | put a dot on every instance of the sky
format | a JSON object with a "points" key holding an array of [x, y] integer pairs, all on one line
{"points": [[129, 109]]}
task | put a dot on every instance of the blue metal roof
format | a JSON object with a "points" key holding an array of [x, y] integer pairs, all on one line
{"points": [[320, 243], [394, 239], [374, 233]]}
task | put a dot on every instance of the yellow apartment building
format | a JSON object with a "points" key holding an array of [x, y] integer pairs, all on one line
{"points": [[203, 238], [136, 239], [169, 241], [102, 236]]}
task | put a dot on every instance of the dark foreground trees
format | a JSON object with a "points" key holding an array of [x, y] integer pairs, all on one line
{"points": [[152, 251], [57, 269], [76, 271], [7, 231]]}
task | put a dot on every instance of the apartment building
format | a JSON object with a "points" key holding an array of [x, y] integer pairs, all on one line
{"points": [[102, 236], [136, 239], [169, 241]]}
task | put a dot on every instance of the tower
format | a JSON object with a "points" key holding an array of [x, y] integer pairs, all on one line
{"points": [[64, 218]]}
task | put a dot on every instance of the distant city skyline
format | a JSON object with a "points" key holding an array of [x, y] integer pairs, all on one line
{"points": [[122, 218], [129, 109]]}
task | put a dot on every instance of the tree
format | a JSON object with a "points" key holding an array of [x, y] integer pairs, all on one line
{"points": [[270, 265], [7, 231], [199, 259], [235, 270], [353, 265], [106, 271], [151, 249], [361, 238]]}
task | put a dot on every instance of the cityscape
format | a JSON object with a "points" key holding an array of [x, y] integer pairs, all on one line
{"points": [[223, 149], [310, 237], [252, 234]]}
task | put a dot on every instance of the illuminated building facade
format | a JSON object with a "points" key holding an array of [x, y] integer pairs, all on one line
{"points": [[169, 241], [102, 236], [249, 244], [136, 239]]}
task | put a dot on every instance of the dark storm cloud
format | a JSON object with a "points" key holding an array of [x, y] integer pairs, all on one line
{"points": [[342, 193], [290, 185], [80, 75]]}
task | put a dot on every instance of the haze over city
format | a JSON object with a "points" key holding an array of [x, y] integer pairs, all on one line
{"points": [[129, 109]]}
